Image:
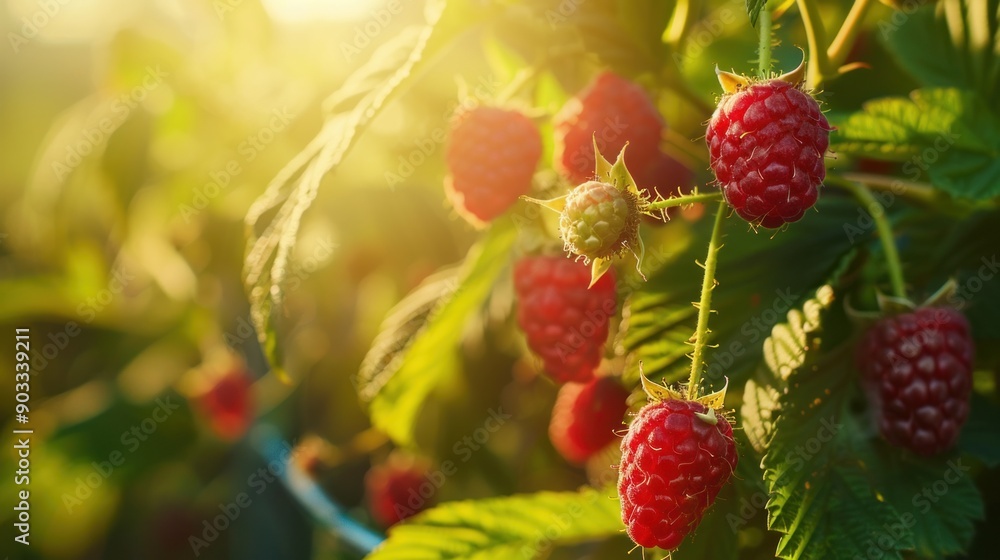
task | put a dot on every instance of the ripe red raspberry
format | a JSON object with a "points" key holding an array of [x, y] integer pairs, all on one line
{"points": [[673, 465], [492, 155], [228, 404], [586, 416], [767, 142], [599, 220], [918, 370], [615, 111], [396, 489], [565, 323]]}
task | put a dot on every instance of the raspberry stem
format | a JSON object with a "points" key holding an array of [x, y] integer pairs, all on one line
{"points": [[682, 200], [764, 45], [705, 304], [886, 238], [913, 190]]}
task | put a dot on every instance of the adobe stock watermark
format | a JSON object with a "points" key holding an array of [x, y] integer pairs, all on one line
{"points": [[463, 449], [248, 150], [883, 540], [258, 482], [88, 310], [366, 32], [131, 440], [225, 7], [561, 13], [96, 135], [904, 10], [707, 31], [32, 25], [754, 329], [545, 538], [425, 147], [975, 283], [798, 458], [244, 329], [913, 168]]}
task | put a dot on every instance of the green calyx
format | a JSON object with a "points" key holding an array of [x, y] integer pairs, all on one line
{"points": [[599, 219]]}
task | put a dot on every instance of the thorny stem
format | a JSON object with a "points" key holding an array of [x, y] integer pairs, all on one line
{"points": [[764, 48], [705, 304], [682, 200], [877, 212]]}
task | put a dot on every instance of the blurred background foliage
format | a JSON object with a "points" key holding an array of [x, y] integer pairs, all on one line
{"points": [[135, 137]]}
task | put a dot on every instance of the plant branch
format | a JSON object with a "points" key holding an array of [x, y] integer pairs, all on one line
{"points": [[819, 64], [705, 304], [682, 200], [913, 190], [842, 43], [680, 23], [886, 238], [764, 44]]}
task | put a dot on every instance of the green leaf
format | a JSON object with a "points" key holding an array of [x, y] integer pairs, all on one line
{"points": [[949, 44], [950, 135], [273, 220], [822, 500], [937, 501], [836, 490], [714, 537], [980, 436], [753, 9], [523, 526], [422, 347]]}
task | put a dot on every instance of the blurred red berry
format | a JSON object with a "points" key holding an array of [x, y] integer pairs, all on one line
{"points": [[585, 417], [228, 404], [918, 369], [492, 155], [613, 111], [397, 489], [565, 323]]}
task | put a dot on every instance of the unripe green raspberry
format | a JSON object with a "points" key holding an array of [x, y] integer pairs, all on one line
{"points": [[599, 220]]}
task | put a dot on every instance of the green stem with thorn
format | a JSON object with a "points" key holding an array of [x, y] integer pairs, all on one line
{"points": [[705, 304], [877, 212], [764, 49], [682, 200]]}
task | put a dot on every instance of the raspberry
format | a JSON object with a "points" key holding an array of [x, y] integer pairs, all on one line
{"points": [[673, 465], [599, 220], [615, 111], [565, 323], [585, 417], [767, 142], [228, 404], [917, 368], [390, 489], [491, 157]]}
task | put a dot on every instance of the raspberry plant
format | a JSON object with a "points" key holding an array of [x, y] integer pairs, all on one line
{"points": [[783, 423]]}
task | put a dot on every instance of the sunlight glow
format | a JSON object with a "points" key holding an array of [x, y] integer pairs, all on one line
{"points": [[298, 11]]}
